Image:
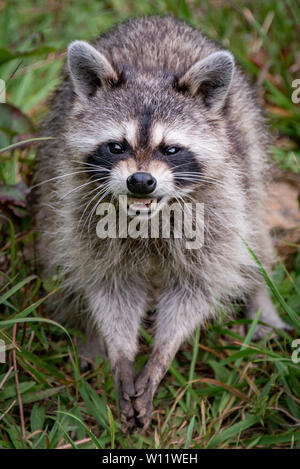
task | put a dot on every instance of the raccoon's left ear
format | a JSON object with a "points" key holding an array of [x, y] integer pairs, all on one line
{"points": [[88, 68], [211, 78]]}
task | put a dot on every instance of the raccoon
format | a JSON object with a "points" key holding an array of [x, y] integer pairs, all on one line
{"points": [[155, 111]]}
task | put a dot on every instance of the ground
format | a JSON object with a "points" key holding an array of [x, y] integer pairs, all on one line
{"points": [[222, 390]]}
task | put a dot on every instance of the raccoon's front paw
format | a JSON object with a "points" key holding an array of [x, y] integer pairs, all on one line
{"points": [[261, 300], [261, 331], [125, 376], [143, 401], [127, 413], [84, 365]]}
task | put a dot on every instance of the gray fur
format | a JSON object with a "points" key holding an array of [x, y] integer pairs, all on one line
{"points": [[108, 285]]}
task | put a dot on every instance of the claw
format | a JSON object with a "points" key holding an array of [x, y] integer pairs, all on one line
{"points": [[125, 376], [135, 397]]}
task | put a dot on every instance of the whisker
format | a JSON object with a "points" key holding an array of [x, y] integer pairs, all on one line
{"points": [[197, 176], [95, 208], [88, 194], [179, 165], [102, 168], [83, 185], [184, 178], [87, 206], [193, 173], [62, 176]]}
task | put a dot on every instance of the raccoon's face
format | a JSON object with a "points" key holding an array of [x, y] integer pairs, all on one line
{"points": [[147, 135]]}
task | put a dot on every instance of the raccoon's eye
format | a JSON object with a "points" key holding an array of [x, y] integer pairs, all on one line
{"points": [[169, 151], [116, 148]]}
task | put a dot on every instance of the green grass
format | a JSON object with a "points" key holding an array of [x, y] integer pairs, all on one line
{"points": [[222, 390]]}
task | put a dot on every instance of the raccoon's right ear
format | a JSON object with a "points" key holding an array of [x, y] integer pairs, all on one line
{"points": [[210, 77], [89, 69]]}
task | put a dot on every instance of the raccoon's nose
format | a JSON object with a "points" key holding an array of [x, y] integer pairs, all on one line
{"points": [[141, 183]]}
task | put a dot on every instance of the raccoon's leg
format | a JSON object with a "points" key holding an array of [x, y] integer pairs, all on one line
{"points": [[178, 315], [261, 299], [117, 311]]}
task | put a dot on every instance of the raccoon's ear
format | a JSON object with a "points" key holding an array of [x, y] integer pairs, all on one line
{"points": [[88, 68], [210, 77]]}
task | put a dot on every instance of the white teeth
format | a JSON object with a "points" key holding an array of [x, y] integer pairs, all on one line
{"points": [[142, 205]]}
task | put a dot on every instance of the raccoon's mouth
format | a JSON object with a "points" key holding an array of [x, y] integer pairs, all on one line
{"points": [[138, 206]]}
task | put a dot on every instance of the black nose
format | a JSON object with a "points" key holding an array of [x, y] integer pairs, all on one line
{"points": [[141, 183]]}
